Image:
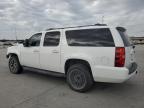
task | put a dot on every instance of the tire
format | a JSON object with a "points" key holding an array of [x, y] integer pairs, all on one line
{"points": [[79, 78], [14, 65]]}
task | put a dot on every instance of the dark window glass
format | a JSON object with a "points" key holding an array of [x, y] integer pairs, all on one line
{"points": [[52, 38], [35, 40], [124, 37], [90, 37]]}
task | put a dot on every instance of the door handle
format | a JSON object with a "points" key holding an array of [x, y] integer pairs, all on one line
{"points": [[55, 51], [35, 51]]}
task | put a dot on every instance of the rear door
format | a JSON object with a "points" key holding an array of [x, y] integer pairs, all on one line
{"points": [[129, 50], [50, 51]]}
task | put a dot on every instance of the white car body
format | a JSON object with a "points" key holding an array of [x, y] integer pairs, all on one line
{"points": [[100, 59]]}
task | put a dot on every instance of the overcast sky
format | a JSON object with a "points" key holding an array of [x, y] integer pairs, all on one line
{"points": [[28, 16]]}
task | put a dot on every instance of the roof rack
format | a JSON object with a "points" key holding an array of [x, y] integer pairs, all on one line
{"points": [[98, 24]]}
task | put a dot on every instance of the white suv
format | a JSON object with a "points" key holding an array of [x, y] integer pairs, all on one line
{"points": [[83, 54]]}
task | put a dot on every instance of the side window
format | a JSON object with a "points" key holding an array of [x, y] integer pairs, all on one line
{"points": [[35, 40], [90, 37], [52, 38]]}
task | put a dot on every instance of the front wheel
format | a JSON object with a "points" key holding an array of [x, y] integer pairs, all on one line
{"points": [[79, 78], [14, 65]]}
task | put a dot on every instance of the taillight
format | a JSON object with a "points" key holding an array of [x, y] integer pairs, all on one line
{"points": [[119, 56]]}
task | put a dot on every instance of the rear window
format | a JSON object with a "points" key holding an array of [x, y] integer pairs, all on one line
{"points": [[90, 37], [124, 36]]}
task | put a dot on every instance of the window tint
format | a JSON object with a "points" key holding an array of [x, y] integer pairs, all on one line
{"points": [[52, 38], [35, 40], [124, 37], [90, 37]]}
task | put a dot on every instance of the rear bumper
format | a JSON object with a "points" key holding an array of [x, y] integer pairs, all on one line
{"points": [[112, 74], [132, 67]]}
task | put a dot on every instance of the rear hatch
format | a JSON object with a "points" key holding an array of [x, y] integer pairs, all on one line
{"points": [[129, 50]]}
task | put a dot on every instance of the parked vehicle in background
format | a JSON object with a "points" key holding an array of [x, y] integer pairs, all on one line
{"points": [[83, 54]]}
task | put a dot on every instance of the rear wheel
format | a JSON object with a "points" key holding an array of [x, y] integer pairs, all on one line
{"points": [[79, 77], [14, 65]]}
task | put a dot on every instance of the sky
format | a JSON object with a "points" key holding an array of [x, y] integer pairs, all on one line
{"points": [[22, 18]]}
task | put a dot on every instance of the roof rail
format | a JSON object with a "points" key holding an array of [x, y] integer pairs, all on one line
{"points": [[98, 24]]}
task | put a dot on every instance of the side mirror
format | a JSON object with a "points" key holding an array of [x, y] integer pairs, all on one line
{"points": [[133, 46], [26, 43]]}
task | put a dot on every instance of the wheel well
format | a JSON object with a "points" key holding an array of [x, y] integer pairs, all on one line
{"points": [[70, 62], [11, 54]]}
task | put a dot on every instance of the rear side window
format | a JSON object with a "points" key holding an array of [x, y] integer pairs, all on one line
{"points": [[124, 36], [90, 37], [52, 38]]}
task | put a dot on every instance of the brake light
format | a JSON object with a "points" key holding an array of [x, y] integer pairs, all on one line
{"points": [[119, 56]]}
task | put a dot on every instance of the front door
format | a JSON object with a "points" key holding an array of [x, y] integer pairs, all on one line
{"points": [[30, 55]]}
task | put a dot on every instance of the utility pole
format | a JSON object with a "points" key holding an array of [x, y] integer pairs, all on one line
{"points": [[15, 33], [15, 29], [102, 19]]}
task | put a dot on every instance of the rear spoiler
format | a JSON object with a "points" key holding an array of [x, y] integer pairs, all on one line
{"points": [[121, 29]]}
